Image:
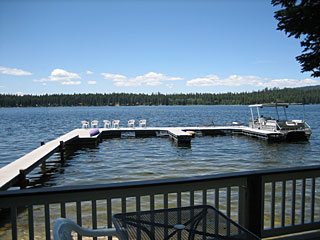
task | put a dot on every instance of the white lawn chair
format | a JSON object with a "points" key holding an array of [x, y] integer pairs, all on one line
{"points": [[63, 228], [94, 123], [131, 123], [115, 123], [85, 124], [143, 123], [107, 123]]}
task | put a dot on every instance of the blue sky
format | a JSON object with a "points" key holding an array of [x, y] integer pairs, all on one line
{"points": [[144, 46]]}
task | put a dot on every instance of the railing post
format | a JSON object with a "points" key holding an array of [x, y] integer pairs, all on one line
{"points": [[23, 180], [255, 201]]}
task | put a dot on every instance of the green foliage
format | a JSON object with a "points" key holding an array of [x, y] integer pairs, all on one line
{"points": [[291, 95], [302, 19]]}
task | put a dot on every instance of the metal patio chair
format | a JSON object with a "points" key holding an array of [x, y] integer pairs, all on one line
{"points": [[63, 228]]}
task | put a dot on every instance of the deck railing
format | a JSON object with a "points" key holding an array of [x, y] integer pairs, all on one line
{"points": [[267, 202]]}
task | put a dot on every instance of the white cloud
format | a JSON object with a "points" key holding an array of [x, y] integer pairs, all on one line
{"points": [[92, 82], [236, 81], [170, 85], [19, 93], [126, 83], [231, 81], [113, 76], [44, 84], [62, 76], [149, 79], [281, 83], [71, 83], [14, 71], [89, 72], [41, 80]]}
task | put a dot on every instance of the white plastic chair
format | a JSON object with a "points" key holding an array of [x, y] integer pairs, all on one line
{"points": [[131, 123], [143, 123], [85, 124], [94, 123], [107, 123], [115, 123], [63, 228]]}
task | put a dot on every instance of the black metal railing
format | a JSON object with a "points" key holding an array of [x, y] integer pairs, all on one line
{"points": [[267, 202]]}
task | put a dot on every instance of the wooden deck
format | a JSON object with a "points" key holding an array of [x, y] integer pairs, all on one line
{"points": [[16, 171]]}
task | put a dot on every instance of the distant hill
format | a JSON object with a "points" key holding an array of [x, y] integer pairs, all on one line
{"points": [[310, 87], [306, 95]]}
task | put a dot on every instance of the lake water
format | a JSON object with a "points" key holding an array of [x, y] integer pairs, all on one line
{"points": [[129, 158]]}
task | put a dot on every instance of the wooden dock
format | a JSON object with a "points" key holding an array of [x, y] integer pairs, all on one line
{"points": [[15, 173]]}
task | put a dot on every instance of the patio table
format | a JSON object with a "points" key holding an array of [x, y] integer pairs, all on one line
{"points": [[194, 222]]}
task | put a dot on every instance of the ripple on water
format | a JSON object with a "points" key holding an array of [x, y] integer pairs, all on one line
{"points": [[131, 158]]}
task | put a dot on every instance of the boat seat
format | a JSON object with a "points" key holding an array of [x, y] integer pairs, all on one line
{"points": [[298, 121]]}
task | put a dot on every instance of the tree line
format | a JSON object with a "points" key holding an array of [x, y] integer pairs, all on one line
{"points": [[291, 95]]}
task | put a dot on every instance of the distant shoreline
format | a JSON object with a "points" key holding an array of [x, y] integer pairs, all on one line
{"points": [[306, 95]]}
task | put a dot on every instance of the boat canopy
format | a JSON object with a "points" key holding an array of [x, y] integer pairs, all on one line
{"points": [[274, 105]]}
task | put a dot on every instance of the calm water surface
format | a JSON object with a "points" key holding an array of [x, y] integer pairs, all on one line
{"points": [[128, 158]]}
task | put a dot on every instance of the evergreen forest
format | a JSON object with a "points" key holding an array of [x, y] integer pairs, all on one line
{"points": [[306, 95]]}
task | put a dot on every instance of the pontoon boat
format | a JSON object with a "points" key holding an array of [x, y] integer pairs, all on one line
{"points": [[283, 129]]}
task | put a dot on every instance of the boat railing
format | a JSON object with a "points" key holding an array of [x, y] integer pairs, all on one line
{"points": [[293, 125], [278, 126], [267, 202], [307, 125]]}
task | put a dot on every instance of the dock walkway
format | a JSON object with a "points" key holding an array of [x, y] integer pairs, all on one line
{"points": [[15, 173]]}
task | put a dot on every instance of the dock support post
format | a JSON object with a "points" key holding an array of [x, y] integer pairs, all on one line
{"points": [[62, 150], [23, 180], [43, 165]]}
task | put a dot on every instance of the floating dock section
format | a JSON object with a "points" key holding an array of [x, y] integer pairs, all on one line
{"points": [[15, 173]]}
